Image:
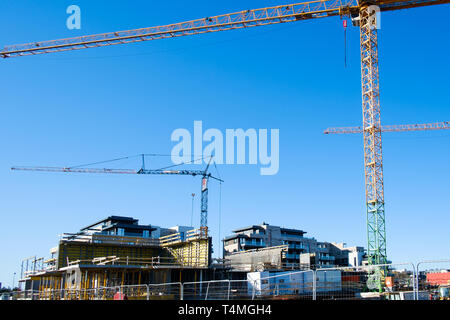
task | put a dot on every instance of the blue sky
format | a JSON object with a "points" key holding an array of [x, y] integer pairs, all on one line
{"points": [[98, 104]]}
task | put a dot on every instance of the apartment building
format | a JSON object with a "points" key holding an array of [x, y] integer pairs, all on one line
{"points": [[313, 252]]}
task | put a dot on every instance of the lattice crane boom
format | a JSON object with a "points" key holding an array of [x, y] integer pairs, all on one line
{"points": [[203, 173], [105, 170], [393, 128], [231, 21]]}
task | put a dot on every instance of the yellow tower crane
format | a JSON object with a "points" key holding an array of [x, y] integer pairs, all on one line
{"points": [[362, 13]]}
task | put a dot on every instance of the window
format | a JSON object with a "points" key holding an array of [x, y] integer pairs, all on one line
{"points": [[120, 231], [146, 234]]}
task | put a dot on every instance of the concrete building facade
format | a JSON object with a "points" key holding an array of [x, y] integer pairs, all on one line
{"points": [[301, 250]]}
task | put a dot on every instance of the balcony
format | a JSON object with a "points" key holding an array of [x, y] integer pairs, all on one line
{"points": [[292, 256], [292, 237], [297, 246], [326, 258], [253, 244]]}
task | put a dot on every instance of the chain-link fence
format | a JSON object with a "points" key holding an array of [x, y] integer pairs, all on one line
{"points": [[427, 280]]}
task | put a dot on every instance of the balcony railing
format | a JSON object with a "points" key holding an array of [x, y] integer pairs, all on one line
{"points": [[292, 256], [328, 258], [253, 244], [296, 246]]}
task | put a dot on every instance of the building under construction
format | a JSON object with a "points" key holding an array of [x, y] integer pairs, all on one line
{"points": [[117, 251]]}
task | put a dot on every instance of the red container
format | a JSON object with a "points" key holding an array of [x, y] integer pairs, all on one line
{"points": [[438, 278]]}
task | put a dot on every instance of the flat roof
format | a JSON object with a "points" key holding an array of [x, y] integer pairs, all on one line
{"points": [[259, 227], [296, 231], [234, 236], [119, 218], [254, 227], [135, 227]]}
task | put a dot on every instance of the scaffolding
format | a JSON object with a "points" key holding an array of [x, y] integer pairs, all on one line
{"points": [[88, 263]]}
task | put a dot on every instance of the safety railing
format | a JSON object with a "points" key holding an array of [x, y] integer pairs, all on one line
{"points": [[194, 234], [190, 235], [109, 239]]}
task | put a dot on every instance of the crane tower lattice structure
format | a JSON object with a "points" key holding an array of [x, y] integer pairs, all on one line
{"points": [[373, 158]]}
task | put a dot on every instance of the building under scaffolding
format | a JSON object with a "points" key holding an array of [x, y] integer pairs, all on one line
{"points": [[118, 252]]}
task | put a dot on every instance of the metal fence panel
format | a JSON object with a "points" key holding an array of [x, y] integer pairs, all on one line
{"points": [[433, 280], [239, 289], [217, 290], [165, 291], [283, 285], [195, 290], [380, 282]]}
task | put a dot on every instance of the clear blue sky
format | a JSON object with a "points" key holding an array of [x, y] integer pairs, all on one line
{"points": [[97, 104]]}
